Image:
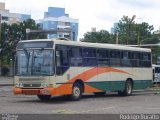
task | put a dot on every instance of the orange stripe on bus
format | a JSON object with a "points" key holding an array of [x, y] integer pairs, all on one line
{"points": [[89, 89], [64, 89], [94, 72], [85, 76]]}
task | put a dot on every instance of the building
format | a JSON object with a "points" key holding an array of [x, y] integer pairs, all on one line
{"points": [[113, 29], [93, 29], [57, 19], [10, 18]]}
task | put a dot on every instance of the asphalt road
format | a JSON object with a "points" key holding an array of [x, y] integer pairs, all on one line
{"points": [[141, 102], [111, 103]]}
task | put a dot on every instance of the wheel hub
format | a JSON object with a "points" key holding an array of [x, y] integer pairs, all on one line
{"points": [[76, 91]]}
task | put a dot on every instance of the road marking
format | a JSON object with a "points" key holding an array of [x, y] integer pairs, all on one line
{"points": [[69, 111], [65, 111], [153, 108], [86, 111]]}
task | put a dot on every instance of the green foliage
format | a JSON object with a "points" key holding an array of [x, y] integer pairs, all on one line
{"points": [[101, 36], [5, 71], [12, 34], [131, 32], [155, 54], [126, 28]]}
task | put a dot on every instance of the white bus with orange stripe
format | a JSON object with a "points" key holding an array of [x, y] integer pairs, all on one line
{"points": [[56, 67]]}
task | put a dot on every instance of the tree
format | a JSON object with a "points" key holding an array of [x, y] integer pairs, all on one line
{"points": [[30, 24], [12, 34], [4, 42], [129, 32], [101, 36], [133, 33], [143, 31], [126, 28]]}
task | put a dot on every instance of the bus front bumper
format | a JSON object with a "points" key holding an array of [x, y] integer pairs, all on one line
{"points": [[44, 91]]}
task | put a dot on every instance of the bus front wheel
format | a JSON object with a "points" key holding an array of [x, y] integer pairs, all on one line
{"points": [[76, 92], [44, 97]]}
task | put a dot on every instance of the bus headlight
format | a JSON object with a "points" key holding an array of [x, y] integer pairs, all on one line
{"points": [[18, 85], [43, 85]]}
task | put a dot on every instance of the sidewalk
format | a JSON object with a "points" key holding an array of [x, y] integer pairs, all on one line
{"points": [[6, 81]]}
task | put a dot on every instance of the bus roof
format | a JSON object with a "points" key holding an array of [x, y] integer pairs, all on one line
{"points": [[87, 44]]}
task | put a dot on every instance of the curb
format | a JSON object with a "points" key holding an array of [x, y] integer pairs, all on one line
{"points": [[2, 85]]}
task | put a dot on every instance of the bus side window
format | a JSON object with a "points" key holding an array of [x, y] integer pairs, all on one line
{"points": [[145, 60], [125, 60], [115, 58], [75, 56], [89, 57], [134, 58], [103, 57]]}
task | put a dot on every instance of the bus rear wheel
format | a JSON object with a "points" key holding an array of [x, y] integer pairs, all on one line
{"points": [[44, 97], [76, 92], [128, 89]]}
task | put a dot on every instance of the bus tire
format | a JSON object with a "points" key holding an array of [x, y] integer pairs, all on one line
{"points": [[99, 94], [44, 97], [76, 92], [128, 89]]}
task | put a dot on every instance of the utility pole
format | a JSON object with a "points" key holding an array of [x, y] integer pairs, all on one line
{"points": [[138, 34], [138, 41]]}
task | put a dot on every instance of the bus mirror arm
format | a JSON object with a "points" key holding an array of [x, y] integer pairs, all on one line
{"points": [[58, 62]]}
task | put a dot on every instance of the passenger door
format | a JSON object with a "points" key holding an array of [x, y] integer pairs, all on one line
{"points": [[62, 70]]}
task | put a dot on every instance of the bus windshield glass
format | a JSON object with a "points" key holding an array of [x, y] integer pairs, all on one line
{"points": [[34, 62]]}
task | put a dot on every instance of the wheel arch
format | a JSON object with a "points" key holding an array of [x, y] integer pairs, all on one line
{"points": [[80, 82], [130, 79]]}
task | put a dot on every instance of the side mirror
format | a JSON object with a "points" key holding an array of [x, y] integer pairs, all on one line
{"points": [[58, 59], [58, 62]]}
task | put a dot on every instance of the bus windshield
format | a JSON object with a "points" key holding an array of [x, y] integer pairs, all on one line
{"points": [[34, 62]]}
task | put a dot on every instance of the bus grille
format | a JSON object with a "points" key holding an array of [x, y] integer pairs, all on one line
{"points": [[31, 82], [31, 79], [31, 85]]}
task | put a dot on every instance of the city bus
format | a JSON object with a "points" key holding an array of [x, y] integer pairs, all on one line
{"points": [[57, 67]]}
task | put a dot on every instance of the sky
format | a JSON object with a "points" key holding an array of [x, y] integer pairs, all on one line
{"points": [[100, 14]]}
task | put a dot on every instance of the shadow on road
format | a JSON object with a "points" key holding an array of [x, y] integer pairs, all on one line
{"points": [[66, 99]]}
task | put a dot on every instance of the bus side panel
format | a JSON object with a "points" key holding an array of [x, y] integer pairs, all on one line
{"points": [[142, 84], [108, 85], [96, 79], [63, 89], [142, 78], [103, 82]]}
